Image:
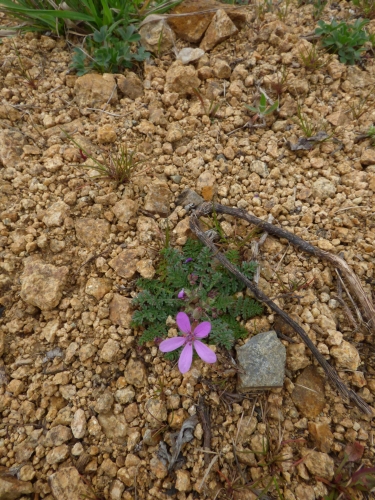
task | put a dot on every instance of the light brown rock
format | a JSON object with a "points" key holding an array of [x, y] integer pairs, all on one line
{"points": [[125, 262], [93, 90], [56, 214], [120, 311], [157, 36], [346, 355], [308, 393], [319, 464], [322, 436], [107, 133], [11, 147], [42, 284], [125, 209], [110, 350], [12, 488], [135, 374], [130, 85], [92, 232], [220, 29], [368, 157], [296, 357], [66, 484], [98, 287], [181, 79], [158, 198]]}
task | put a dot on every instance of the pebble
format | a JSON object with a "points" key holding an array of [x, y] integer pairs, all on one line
{"points": [[78, 424], [58, 454], [92, 232], [12, 488], [98, 287], [109, 351], [262, 362], [308, 394], [346, 355], [120, 310], [94, 90], [67, 484]]}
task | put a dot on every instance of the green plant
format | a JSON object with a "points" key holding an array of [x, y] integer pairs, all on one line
{"points": [[358, 107], [308, 127], [366, 7], [24, 71], [194, 282], [262, 7], [117, 167], [283, 9], [346, 483], [346, 40], [213, 107], [262, 110], [371, 134], [107, 53], [312, 59], [85, 16], [318, 6]]}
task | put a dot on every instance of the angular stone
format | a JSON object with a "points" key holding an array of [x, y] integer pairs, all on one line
{"points": [[322, 436], [346, 355], [11, 147], [66, 484], [58, 454], [308, 393], [120, 311], [12, 488], [94, 90], [130, 85], [319, 464], [368, 157], [42, 284], [156, 412], [107, 133], [157, 36], [158, 198], [323, 188], [125, 209], [50, 330], [125, 263], [110, 350], [188, 55], [145, 268], [135, 373], [55, 214], [78, 424], [24, 450], [98, 287], [92, 232], [189, 197], [114, 427], [57, 436], [296, 357], [183, 482], [262, 359], [86, 352], [181, 79], [220, 29]]}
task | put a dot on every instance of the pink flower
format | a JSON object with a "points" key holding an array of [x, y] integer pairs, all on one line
{"points": [[189, 339], [181, 294]]}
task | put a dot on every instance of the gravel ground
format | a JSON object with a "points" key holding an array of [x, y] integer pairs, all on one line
{"points": [[83, 405]]}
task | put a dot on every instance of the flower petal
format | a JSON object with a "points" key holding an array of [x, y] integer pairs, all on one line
{"points": [[186, 357], [202, 330], [181, 294], [183, 322], [169, 345], [204, 352]]}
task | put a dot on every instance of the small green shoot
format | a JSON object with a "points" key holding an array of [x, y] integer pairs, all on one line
{"points": [[263, 110], [359, 107], [366, 7], [213, 107], [24, 72], [318, 6], [118, 167], [312, 59], [346, 40], [283, 9], [371, 134], [308, 127]]}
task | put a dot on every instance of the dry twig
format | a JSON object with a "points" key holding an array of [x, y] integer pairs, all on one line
{"points": [[355, 285]]}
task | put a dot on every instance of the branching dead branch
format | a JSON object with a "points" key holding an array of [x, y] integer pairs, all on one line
{"points": [[354, 283]]}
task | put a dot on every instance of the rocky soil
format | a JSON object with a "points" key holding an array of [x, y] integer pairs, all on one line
{"points": [[83, 406]]}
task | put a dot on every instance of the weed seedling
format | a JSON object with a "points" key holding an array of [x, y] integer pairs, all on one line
{"points": [[318, 6], [118, 167], [346, 40], [359, 107], [263, 110], [366, 7], [279, 86], [212, 109], [347, 484], [308, 127], [24, 72], [312, 59]]}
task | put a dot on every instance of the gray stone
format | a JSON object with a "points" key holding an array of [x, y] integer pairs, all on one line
{"points": [[262, 359], [189, 197], [188, 55], [78, 424]]}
